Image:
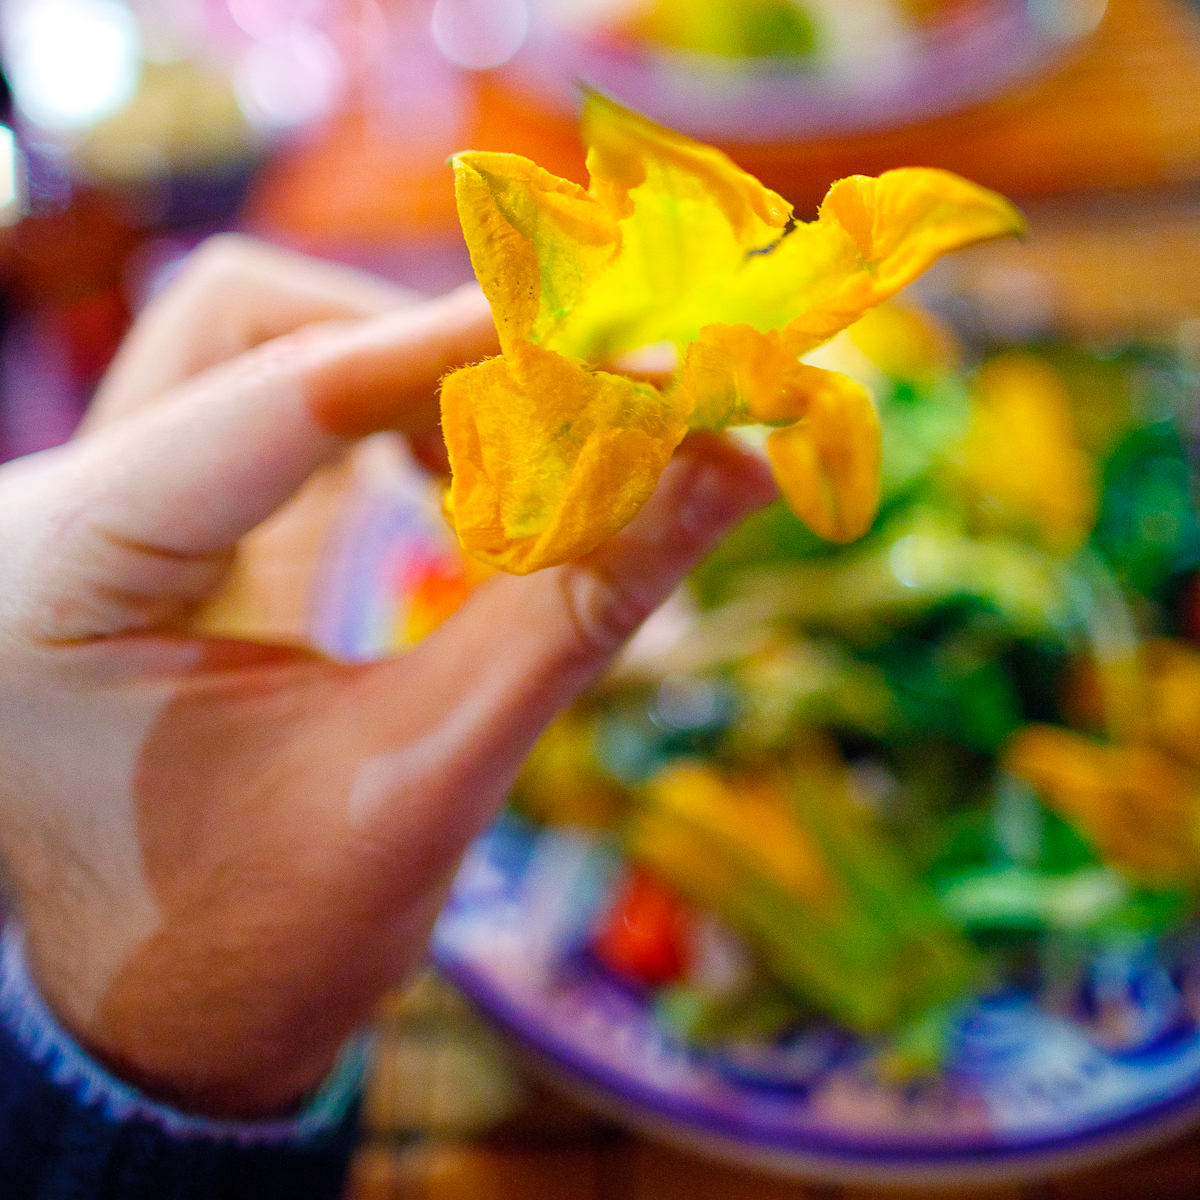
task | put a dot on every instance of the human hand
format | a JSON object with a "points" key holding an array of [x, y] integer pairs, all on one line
{"points": [[224, 851]]}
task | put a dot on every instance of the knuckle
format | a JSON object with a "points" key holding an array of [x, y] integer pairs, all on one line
{"points": [[223, 249], [218, 261], [603, 614]]}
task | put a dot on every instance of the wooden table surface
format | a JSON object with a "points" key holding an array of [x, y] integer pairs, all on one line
{"points": [[451, 1115], [621, 1167]]}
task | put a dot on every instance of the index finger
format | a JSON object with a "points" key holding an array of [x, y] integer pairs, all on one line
{"points": [[134, 522], [232, 294]]}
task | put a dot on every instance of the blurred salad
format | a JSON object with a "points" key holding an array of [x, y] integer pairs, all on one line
{"points": [[862, 784], [781, 29]]}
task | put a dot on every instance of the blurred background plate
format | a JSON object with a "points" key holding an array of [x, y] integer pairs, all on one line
{"points": [[852, 69], [1023, 1091], [1038, 1095]]}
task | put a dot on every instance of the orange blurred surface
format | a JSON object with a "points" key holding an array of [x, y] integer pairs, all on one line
{"points": [[1121, 112]]}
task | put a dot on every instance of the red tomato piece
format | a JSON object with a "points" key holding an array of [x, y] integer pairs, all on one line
{"points": [[646, 934]]}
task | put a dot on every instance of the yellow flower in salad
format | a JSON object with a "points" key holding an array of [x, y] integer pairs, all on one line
{"points": [[789, 857], [1137, 799], [1026, 468], [553, 448], [1138, 806]]}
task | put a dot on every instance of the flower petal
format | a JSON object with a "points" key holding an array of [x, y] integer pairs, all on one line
{"points": [[536, 241], [733, 374], [548, 458], [903, 221], [872, 237], [688, 219], [827, 465], [627, 150]]}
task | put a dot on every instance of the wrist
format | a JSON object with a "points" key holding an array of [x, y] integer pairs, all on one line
{"points": [[27, 1018], [215, 1030]]}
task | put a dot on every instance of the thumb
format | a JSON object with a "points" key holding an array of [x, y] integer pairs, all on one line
{"points": [[496, 673]]}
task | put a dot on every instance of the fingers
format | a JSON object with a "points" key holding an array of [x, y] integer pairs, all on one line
{"points": [[495, 674], [232, 294], [135, 521], [383, 374]]}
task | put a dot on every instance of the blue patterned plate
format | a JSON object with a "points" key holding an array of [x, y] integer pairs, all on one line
{"points": [[1024, 1091]]}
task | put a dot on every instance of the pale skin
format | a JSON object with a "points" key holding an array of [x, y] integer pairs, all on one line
{"points": [[224, 852]]}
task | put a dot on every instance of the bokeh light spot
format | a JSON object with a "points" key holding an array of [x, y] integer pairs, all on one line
{"points": [[479, 34], [71, 63]]}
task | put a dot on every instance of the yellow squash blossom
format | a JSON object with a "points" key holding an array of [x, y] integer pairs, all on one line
{"points": [[552, 449], [1138, 806], [790, 859], [1138, 799], [1026, 468]]}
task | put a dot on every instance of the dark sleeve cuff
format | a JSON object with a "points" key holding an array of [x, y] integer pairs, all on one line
{"points": [[71, 1131]]}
